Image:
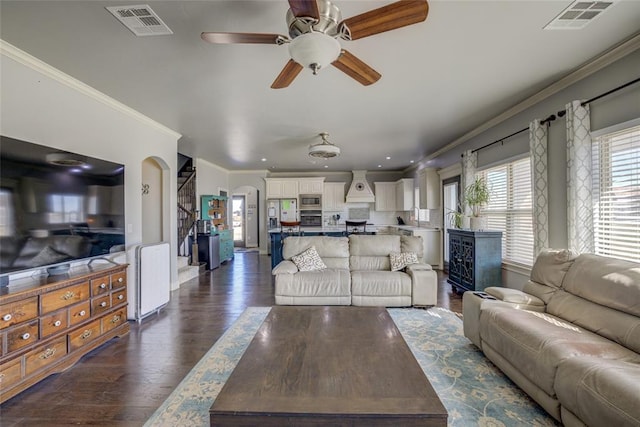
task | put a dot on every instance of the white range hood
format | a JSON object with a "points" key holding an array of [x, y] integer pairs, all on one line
{"points": [[360, 191]]}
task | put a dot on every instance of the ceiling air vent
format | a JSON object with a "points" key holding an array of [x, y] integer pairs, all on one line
{"points": [[140, 19], [578, 14]]}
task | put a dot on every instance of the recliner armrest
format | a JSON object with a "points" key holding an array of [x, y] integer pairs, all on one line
{"points": [[424, 283], [516, 297], [285, 267], [417, 267]]}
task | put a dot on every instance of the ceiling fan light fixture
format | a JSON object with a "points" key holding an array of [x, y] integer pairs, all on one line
{"points": [[325, 149], [314, 50]]}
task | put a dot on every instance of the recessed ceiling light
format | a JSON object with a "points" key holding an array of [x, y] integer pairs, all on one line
{"points": [[388, 157], [263, 159], [410, 161], [326, 166], [379, 166]]}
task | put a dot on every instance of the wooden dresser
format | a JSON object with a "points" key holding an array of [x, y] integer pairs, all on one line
{"points": [[47, 324]]}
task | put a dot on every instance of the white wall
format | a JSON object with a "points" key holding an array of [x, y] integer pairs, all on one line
{"points": [[152, 202], [40, 104], [210, 179]]}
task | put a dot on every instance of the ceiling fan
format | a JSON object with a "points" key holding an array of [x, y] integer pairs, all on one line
{"points": [[315, 26]]}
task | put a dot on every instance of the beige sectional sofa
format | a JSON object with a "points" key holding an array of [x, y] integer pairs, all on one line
{"points": [[570, 339], [358, 273]]}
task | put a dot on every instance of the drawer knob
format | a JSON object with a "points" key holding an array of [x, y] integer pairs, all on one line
{"points": [[103, 285], [7, 317], [120, 280], [103, 304], [82, 313], [26, 336], [48, 353], [86, 334], [68, 295], [57, 323], [120, 296]]}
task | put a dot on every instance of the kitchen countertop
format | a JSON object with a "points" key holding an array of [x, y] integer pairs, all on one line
{"points": [[370, 227]]}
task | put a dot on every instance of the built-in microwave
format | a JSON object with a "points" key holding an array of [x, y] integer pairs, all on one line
{"points": [[311, 218], [310, 201]]}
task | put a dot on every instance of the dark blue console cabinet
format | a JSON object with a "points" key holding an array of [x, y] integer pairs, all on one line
{"points": [[475, 259]]}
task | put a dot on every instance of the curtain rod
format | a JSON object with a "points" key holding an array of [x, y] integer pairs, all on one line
{"points": [[559, 114]]}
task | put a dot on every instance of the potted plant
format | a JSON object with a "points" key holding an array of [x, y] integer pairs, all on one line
{"points": [[476, 196], [457, 218]]}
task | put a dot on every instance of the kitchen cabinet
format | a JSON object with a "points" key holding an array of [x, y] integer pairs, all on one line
{"points": [[310, 185], [404, 194], [333, 197], [475, 259], [429, 185], [385, 196], [282, 188]]}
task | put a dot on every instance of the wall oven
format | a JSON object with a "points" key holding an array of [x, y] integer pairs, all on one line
{"points": [[311, 218], [310, 202]]}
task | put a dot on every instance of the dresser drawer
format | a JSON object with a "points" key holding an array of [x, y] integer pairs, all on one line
{"points": [[114, 320], [22, 335], [52, 323], [79, 313], [100, 305], [19, 311], [45, 355], [100, 286], [118, 297], [64, 297], [84, 335], [118, 280], [10, 373]]}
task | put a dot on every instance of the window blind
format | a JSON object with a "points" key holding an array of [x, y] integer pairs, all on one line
{"points": [[510, 208], [616, 194]]}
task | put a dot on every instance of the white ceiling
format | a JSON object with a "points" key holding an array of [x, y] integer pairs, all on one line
{"points": [[467, 63]]}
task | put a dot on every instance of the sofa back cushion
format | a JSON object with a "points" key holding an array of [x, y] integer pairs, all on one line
{"points": [[548, 272], [603, 295], [371, 252], [334, 251], [412, 244]]}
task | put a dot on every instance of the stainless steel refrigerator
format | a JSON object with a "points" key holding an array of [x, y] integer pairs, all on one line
{"points": [[280, 210]]}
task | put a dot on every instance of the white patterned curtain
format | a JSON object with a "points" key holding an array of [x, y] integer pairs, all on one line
{"points": [[579, 204], [469, 165], [539, 182]]}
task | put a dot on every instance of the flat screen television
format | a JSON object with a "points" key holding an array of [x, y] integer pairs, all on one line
{"points": [[56, 208]]}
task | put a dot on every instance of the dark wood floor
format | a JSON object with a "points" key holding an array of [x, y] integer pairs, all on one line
{"points": [[123, 382]]}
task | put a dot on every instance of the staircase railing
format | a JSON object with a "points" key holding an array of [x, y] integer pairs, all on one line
{"points": [[186, 209]]}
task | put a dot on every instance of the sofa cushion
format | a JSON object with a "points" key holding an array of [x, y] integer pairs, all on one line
{"points": [[308, 260], [334, 251], [606, 281], [516, 297], [321, 283], [600, 392], [412, 244], [551, 266], [380, 283], [371, 252], [399, 261], [538, 342], [285, 267]]}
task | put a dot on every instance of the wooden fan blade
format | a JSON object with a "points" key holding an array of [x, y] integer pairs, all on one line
{"points": [[356, 69], [286, 76], [386, 18], [227, 38], [307, 8]]}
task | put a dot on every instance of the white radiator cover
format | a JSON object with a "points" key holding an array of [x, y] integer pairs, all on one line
{"points": [[154, 278]]}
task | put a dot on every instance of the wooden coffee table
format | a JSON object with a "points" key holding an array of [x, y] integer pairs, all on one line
{"points": [[312, 366]]}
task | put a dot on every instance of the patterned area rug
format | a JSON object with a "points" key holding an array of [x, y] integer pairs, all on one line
{"points": [[474, 391]]}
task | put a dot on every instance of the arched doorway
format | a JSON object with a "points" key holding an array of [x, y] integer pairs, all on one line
{"points": [[155, 215]]}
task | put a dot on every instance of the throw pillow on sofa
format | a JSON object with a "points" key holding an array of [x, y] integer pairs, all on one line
{"points": [[309, 260], [401, 260]]}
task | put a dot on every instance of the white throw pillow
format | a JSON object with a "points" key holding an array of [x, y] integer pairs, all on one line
{"points": [[309, 260], [401, 260]]}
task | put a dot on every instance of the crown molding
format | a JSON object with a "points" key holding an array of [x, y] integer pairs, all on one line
{"points": [[12, 52], [599, 62]]}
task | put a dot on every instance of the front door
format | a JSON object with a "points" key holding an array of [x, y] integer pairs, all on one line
{"points": [[239, 228]]}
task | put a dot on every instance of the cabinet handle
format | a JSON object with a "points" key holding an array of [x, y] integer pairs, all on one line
{"points": [[26, 336], [68, 295], [103, 304], [103, 285], [120, 280], [57, 323], [82, 313], [86, 334], [7, 317], [120, 296], [48, 353], [116, 318]]}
